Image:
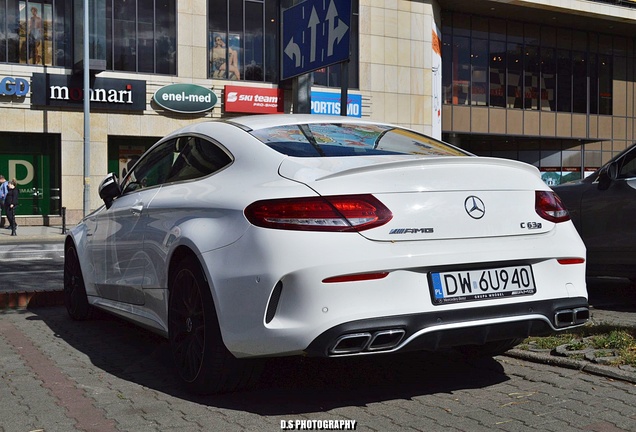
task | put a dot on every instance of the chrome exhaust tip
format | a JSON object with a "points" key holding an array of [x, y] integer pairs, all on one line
{"points": [[581, 315], [570, 317], [350, 343], [386, 339]]}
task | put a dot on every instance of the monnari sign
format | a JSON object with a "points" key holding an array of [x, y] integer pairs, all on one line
{"points": [[253, 100], [67, 91], [185, 98]]}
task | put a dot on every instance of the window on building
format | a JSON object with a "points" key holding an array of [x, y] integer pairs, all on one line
{"points": [[497, 74], [579, 83], [564, 80], [243, 42], [141, 36], [528, 66], [461, 70], [243, 39], [479, 72], [35, 32], [531, 77], [515, 75], [548, 79]]}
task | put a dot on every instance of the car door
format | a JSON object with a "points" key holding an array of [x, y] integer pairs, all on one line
{"points": [[608, 217], [125, 261]]}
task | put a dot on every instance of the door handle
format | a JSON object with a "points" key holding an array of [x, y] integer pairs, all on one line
{"points": [[137, 209]]}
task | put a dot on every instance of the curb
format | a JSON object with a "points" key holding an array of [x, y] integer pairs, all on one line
{"points": [[614, 372]]}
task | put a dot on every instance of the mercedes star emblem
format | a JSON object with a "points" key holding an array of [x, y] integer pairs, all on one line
{"points": [[475, 207]]}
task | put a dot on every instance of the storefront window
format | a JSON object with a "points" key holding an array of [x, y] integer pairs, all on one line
{"points": [[141, 36], [35, 32], [33, 160]]}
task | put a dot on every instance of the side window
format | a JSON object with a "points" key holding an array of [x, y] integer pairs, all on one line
{"points": [[153, 168], [628, 165], [197, 158]]}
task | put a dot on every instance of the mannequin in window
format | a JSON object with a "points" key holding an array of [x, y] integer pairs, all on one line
{"points": [[219, 66], [35, 36]]}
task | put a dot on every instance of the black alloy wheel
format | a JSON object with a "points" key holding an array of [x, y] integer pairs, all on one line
{"points": [[186, 324], [75, 298], [202, 360]]}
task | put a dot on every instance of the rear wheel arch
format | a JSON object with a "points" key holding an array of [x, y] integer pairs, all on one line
{"points": [[201, 357]]}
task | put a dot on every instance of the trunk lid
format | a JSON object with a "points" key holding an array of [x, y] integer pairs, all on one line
{"points": [[433, 198]]}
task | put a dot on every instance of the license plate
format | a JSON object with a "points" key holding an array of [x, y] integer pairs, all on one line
{"points": [[472, 285]]}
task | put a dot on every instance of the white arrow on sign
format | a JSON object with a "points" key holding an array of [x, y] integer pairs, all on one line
{"points": [[293, 51], [335, 33], [313, 24]]}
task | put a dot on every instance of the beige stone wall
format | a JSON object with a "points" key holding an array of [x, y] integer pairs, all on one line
{"points": [[395, 60]]}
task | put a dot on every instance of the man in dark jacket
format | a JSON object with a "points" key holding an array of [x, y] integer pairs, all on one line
{"points": [[10, 204]]}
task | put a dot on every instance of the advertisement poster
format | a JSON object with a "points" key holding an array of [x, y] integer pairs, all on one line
{"points": [[225, 56]]}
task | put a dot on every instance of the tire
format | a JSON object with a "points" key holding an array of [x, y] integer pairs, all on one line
{"points": [[489, 349], [200, 356], [75, 298]]}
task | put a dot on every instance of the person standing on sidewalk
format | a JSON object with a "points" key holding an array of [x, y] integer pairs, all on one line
{"points": [[10, 204], [3, 193]]}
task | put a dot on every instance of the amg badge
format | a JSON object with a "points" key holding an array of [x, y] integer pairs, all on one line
{"points": [[411, 231]]}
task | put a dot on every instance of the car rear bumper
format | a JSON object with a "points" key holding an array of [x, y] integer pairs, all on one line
{"points": [[445, 329]]}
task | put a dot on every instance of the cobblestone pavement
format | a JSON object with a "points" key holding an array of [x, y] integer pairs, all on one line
{"points": [[106, 375]]}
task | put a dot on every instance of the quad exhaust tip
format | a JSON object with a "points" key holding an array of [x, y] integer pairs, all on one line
{"points": [[381, 340], [570, 317]]}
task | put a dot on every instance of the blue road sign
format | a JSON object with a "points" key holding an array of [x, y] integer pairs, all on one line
{"points": [[316, 34]]}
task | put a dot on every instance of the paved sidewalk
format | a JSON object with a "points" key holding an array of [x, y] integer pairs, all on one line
{"points": [[43, 234]]}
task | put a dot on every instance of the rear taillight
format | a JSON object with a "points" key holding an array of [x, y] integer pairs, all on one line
{"points": [[549, 206], [342, 213]]}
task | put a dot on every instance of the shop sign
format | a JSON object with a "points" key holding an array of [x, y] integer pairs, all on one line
{"points": [[329, 103], [105, 93], [253, 100], [10, 86], [185, 98]]}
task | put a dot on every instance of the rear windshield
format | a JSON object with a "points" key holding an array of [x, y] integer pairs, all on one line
{"points": [[333, 139]]}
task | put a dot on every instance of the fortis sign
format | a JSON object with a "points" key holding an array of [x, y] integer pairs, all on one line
{"points": [[106, 94]]}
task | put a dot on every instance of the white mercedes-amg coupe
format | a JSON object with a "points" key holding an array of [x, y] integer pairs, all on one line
{"points": [[325, 236]]}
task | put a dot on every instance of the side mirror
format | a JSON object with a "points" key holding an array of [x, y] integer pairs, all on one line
{"points": [[612, 170], [109, 189], [607, 175]]}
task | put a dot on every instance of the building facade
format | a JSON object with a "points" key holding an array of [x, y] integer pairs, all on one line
{"points": [[550, 82]]}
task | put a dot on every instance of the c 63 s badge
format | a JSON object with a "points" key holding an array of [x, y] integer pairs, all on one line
{"points": [[531, 225]]}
